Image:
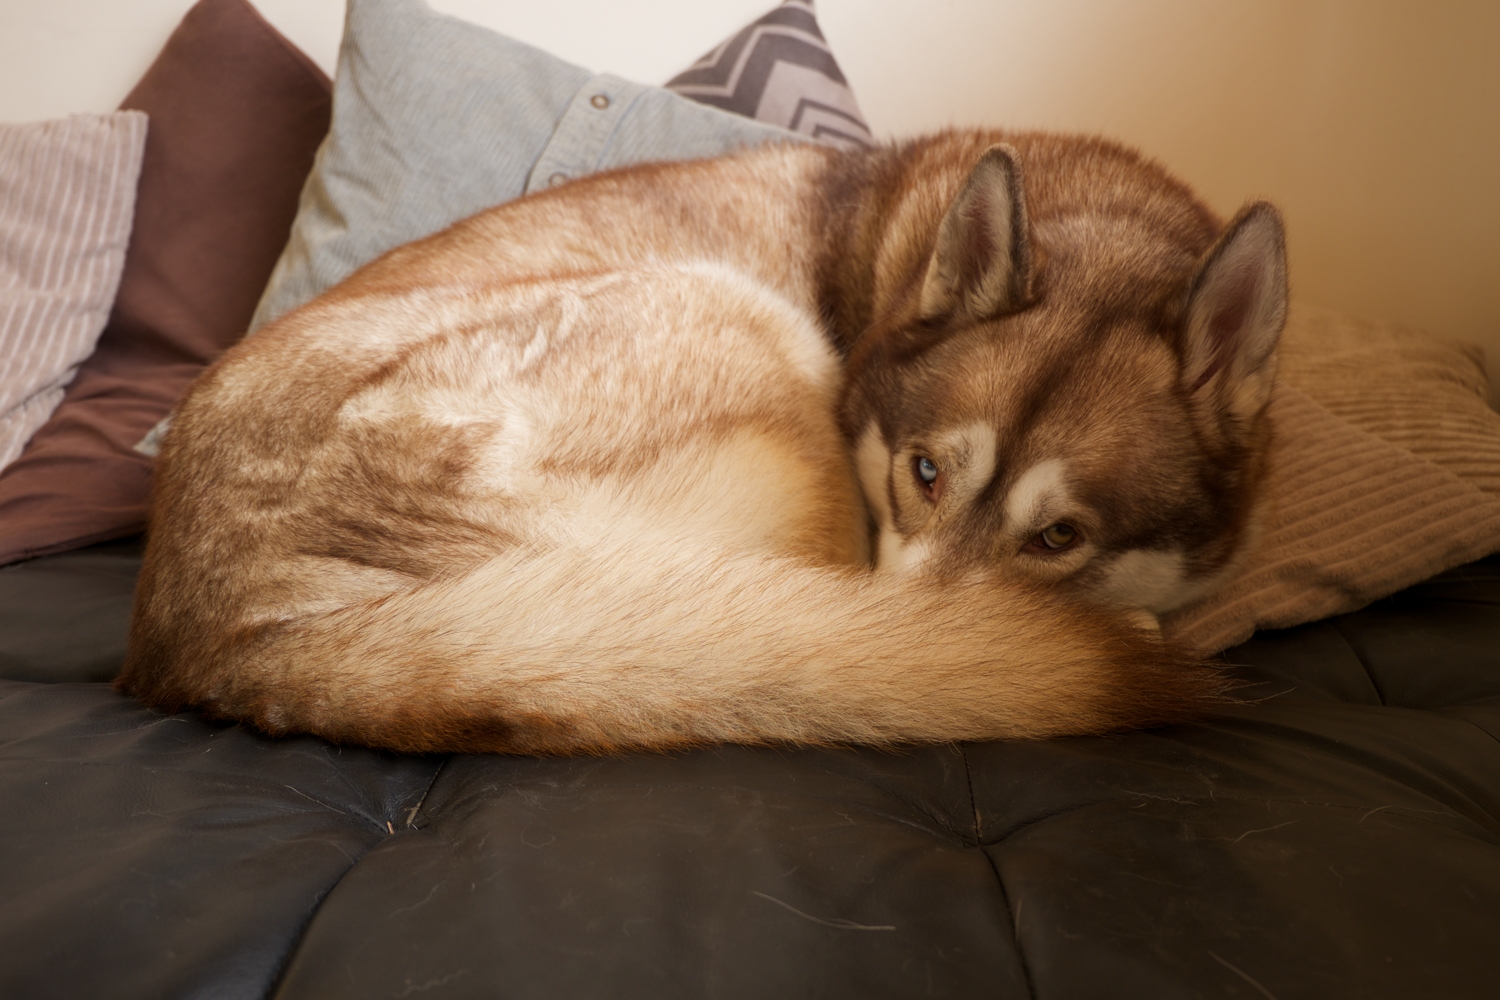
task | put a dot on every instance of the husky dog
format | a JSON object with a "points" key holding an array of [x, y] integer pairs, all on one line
{"points": [[605, 468]]}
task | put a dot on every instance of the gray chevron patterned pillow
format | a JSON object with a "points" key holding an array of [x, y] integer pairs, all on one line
{"points": [[778, 69]]}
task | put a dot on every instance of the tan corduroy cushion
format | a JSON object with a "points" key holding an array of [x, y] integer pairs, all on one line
{"points": [[67, 197], [1385, 471], [1417, 390]]}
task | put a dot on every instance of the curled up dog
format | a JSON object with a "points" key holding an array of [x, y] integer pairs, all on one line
{"points": [[605, 468]]}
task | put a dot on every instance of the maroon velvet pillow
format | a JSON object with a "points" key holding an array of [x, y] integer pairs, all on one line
{"points": [[236, 116]]}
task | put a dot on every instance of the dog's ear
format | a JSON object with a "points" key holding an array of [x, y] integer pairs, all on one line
{"points": [[982, 265], [1236, 308]]}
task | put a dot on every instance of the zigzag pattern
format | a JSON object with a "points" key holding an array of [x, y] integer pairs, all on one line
{"points": [[779, 69]]}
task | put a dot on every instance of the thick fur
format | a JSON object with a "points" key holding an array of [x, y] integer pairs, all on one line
{"points": [[589, 471]]}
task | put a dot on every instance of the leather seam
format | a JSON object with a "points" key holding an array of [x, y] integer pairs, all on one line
{"points": [[1015, 929], [973, 801], [431, 782], [291, 953], [1374, 684]]}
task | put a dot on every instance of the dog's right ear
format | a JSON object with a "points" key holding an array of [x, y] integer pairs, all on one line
{"points": [[1236, 309], [982, 265]]}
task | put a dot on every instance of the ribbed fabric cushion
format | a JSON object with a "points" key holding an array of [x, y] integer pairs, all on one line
{"points": [[1385, 471], [1417, 390], [67, 197]]}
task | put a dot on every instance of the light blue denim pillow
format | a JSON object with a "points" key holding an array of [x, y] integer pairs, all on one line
{"points": [[435, 119]]}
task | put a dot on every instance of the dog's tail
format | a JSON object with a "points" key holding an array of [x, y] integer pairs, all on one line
{"points": [[633, 648]]}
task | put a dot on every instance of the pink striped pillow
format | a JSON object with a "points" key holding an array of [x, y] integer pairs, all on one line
{"points": [[67, 199]]}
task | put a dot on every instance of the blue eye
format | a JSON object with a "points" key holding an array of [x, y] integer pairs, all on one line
{"points": [[927, 471]]}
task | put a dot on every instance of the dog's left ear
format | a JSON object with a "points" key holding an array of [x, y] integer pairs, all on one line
{"points": [[982, 265], [1236, 309]]}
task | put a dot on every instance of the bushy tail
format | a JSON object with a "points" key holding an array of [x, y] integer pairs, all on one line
{"points": [[573, 651]]}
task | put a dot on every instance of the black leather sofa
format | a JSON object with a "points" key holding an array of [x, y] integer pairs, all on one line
{"points": [[1339, 838]]}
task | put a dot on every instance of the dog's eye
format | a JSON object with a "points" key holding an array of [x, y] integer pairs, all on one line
{"points": [[929, 477], [1058, 536]]}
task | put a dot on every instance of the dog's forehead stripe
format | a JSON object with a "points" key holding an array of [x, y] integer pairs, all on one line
{"points": [[1039, 487], [974, 445]]}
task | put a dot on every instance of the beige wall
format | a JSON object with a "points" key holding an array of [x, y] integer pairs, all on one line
{"points": [[1375, 124]]}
